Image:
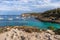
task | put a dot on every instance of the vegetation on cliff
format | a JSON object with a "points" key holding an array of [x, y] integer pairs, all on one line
{"points": [[28, 29], [49, 13], [52, 13]]}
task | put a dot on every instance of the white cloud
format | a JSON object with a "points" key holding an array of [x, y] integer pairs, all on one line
{"points": [[47, 3], [23, 8], [13, 5], [27, 5]]}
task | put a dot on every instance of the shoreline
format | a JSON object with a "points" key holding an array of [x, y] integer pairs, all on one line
{"points": [[52, 21]]}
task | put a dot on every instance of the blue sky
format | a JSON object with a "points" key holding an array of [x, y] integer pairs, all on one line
{"points": [[16, 7]]}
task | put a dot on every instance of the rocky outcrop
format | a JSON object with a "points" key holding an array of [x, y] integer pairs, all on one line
{"points": [[20, 34]]}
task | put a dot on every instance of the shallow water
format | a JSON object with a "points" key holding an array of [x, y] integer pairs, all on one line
{"points": [[19, 21]]}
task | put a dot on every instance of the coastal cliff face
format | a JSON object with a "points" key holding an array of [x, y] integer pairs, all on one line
{"points": [[50, 15], [20, 33]]}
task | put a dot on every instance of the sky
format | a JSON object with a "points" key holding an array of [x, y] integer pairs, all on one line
{"points": [[17, 7]]}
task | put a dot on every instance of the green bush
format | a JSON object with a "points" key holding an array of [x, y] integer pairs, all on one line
{"points": [[57, 31], [51, 28]]}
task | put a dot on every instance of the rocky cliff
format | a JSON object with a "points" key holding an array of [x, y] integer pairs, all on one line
{"points": [[20, 33]]}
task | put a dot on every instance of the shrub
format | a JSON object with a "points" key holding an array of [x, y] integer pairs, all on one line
{"points": [[51, 28], [57, 31]]}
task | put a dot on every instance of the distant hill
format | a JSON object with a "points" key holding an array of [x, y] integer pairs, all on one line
{"points": [[53, 13], [50, 15]]}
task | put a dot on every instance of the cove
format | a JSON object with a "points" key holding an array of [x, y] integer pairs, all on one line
{"points": [[27, 22]]}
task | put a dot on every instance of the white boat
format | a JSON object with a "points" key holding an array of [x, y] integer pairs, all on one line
{"points": [[24, 18], [10, 18], [1, 18], [17, 17]]}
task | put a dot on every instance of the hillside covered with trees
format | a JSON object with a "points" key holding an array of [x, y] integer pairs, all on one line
{"points": [[53, 13], [50, 15]]}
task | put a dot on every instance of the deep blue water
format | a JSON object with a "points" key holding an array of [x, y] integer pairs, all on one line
{"points": [[19, 21]]}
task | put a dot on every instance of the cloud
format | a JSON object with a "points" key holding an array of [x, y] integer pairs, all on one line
{"points": [[47, 3], [27, 5], [13, 5]]}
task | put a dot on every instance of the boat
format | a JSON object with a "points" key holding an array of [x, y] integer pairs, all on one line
{"points": [[17, 17], [10, 18], [1, 18]]}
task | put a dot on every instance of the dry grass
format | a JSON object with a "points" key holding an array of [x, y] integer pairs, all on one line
{"points": [[28, 29]]}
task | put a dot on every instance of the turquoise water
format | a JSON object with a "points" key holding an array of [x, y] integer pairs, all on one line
{"points": [[26, 22], [43, 25]]}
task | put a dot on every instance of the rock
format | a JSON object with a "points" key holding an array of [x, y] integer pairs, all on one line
{"points": [[57, 37], [15, 34], [50, 31]]}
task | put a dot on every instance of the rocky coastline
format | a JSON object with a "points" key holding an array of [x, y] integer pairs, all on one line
{"points": [[48, 20], [48, 16], [27, 33], [41, 17]]}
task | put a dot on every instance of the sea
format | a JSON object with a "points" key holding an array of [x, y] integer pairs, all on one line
{"points": [[17, 20]]}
